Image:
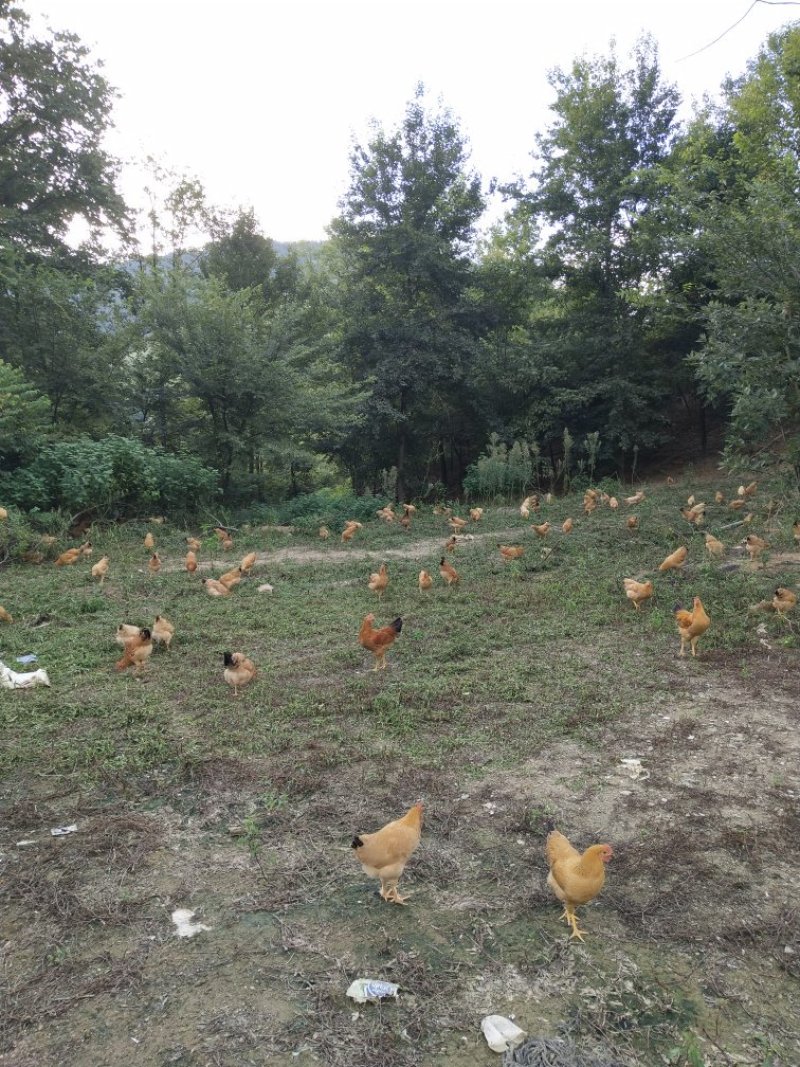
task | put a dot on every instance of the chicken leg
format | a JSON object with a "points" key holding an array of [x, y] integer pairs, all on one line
{"points": [[389, 891], [572, 919]]}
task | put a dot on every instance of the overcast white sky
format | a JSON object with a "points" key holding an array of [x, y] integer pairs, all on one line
{"points": [[260, 99]]}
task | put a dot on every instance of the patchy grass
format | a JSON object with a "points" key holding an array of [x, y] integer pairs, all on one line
{"points": [[508, 700]]}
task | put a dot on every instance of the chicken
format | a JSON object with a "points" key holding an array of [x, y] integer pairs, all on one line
{"points": [[349, 531], [379, 581], [125, 631], [690, 501], [675, 560], [670, 480], [324, 533], [100, 569], [154, 563], [747, 490], [509, 552], [449, 573], [714, 546], [409, 509], [193, 544], [66, 559], [138, 650], [230, 579], [248, 563], [694, 514], [691, 624], [737, 505], [3, 514], [632, 522], [405, 521], [149, 541], [32, 556], [613, 503], [784, 600], [159, 520], [239, 670], [567, 525], [163, 631], [385, 853], [439, 509], [387, 514], [529, 504], [476, 514], [191, 562], [589, 504], [215, 588], [637, 498], [227, 544], [457, 523], [575, 878], [379, 641], [541, 531], [719, 497], [755, 546], [425, 581], [796, 530], [222, 533], [450, 543], [6, 616], [86, 548], [636, 592]]}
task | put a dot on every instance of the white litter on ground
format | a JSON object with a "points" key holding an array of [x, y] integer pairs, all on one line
{"points": [[182, 918]]}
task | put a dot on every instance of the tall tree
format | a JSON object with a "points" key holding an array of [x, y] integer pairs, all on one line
{"points": [[598, 194], [402, 245], [55, 107]]}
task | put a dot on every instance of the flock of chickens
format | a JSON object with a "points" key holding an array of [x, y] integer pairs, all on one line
{"points": [[575, 878]]}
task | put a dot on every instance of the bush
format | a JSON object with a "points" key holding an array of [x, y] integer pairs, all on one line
{"points": [[329, 506], [118, 475]]}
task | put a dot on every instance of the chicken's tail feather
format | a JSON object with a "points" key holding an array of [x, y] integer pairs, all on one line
{"points": [[356, 842]]}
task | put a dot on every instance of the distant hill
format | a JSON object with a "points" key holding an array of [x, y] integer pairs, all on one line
{"points": [[304, 250]]}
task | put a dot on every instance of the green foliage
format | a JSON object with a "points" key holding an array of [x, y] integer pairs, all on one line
{"points": [[503, 473], [23, 416], [116, 475], [325, 506]]}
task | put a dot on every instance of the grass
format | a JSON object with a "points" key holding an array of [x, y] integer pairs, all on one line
{"points": [[507, 700]]}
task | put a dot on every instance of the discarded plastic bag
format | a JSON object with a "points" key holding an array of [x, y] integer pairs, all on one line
{"points": [[500, 1033], [364, 989], [634, 769], [13, 680], [182, 918]]}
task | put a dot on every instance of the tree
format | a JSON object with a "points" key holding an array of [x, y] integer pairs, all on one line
{"points": [[54, 110], [598, 195], [244, 259], [23, 416], [401, 246]]}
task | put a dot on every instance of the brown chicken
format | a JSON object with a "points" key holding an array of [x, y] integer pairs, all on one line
{"points": [[737, 505], [719, 497], [457, 523], [379, 641], [695, 514], [613, 503], [66, 559], [409, 509], [567, 525], [222, 533], [239, 670], [748, 490], [714, 547], [385, 853], [6, 616], [100, 569], [231, 578], [449, 573], [691, 624], [193, 544], [215, 588], [637, 592], [575, 878], [125, 631], [3, 514], [163, 631], [784, 600], [675, 560], [191, 562], [405, 522], [529, 504], [755, 546], [476, 514], [138, 650], [386, 513], [86, 548], [796, 530], [589, 505], [451, 543], [425, 581], [324, 533], [149, 541], [154, 563], [227, 544], [248, 562], [509, 552], [541, 531], [379, 580], [349, 532], [637, 498], [632, 522]]}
